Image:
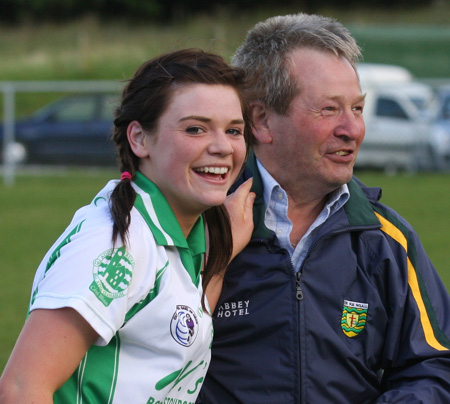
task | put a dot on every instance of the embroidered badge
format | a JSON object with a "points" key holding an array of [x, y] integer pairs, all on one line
{"points": [[184, 326], [112, 275], [354, 317]]}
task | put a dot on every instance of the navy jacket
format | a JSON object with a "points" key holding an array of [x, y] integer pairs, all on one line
{"points": [[365, 320]]}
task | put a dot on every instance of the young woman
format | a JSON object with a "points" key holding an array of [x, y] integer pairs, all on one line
{"points": [[117, 312]]}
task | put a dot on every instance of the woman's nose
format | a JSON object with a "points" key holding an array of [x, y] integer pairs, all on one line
{"points": [[220, 144]]}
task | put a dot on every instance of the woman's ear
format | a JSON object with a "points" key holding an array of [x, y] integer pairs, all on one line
{"points": [[260, 122], [137, 139]]}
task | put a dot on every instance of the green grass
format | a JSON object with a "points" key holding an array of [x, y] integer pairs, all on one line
{"points": [[38, 207], [89, 50], [423, 200], [411, 46]]}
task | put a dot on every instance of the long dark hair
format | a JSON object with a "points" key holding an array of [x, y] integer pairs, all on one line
{"points": [[144, 99]]}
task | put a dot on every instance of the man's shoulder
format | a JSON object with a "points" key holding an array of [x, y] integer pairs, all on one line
{"points": [[373, 194]]}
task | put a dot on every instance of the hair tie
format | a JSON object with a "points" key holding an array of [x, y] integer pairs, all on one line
{"points": [[126, 176]]}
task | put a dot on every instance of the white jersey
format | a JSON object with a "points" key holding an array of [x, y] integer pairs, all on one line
{"points": [[143, 301]]}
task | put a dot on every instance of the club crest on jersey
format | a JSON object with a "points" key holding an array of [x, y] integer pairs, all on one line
{"points": [[184, 325], [112, 275], [354, 317]]}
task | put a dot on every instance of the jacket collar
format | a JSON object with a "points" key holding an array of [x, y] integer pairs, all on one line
{"points": [[358, 209]]}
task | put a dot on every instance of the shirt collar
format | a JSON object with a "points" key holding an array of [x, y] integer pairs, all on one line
{"points": [[336, 199], [270, 185], [159, 216]]}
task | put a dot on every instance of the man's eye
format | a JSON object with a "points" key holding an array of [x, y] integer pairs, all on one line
{"points": [[328, 110], [358, 111]]}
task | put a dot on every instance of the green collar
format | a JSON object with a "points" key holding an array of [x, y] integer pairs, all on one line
{"points": [[259, 207], [161, 220], [359, 210]]}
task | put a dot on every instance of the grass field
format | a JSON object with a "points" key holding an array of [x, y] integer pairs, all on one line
{"points": [[38, 207]]}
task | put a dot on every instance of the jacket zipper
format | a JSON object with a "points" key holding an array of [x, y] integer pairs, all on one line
{"points": [[299, 295], [328, 235], [298, 274], [298, 286]]}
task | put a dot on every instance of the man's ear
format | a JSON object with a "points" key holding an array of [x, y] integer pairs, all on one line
{"points": [[260, 122], [136, 137]]}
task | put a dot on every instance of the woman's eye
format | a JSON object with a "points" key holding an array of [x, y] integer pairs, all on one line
{"points": [[235, 131], [194, 130]]}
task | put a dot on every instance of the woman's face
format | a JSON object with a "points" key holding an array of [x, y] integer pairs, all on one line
{"points": [[198, 148]]}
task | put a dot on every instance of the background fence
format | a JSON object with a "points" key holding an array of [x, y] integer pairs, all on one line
{"points": [[9, 90]]}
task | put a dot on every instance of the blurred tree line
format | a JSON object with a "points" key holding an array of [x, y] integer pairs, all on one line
{"points": [[19, 11]]}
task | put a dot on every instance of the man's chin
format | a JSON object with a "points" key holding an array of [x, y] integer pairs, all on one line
{"points": [[341, 177]]}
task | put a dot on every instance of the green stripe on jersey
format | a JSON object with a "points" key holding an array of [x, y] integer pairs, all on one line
{"points": [[56, 254], [158, 213], [57, 251], [151, 295], [94, 382], [161, 237]]}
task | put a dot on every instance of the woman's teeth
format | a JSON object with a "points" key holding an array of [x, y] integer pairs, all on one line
{"points": [[212, 170]]}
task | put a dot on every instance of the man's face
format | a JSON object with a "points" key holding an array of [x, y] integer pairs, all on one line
{"points": [[314, 146]]}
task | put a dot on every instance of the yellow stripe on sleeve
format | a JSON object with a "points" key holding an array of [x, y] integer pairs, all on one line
{"points": [[413, 282]]}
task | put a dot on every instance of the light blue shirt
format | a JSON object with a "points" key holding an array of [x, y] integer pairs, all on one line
{"points": [[276, 216]]}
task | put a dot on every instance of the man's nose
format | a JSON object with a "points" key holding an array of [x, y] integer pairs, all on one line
{"points": [[351, 125]]}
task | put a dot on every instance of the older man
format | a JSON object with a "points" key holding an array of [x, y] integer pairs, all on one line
{"points": [[334, 300]]}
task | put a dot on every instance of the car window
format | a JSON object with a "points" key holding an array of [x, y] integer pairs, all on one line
{"points": [[422, 103], [390, 108], [76, 109]]}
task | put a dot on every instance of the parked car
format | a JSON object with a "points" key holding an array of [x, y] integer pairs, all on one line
{"points": [[398, 121], [441, 127], [73, 130]]}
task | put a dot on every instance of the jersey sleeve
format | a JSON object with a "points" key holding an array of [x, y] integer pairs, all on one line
{"points": [[85, 272]]}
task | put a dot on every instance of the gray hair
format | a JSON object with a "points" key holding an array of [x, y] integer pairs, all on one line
{"points": [[268, 46]]}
